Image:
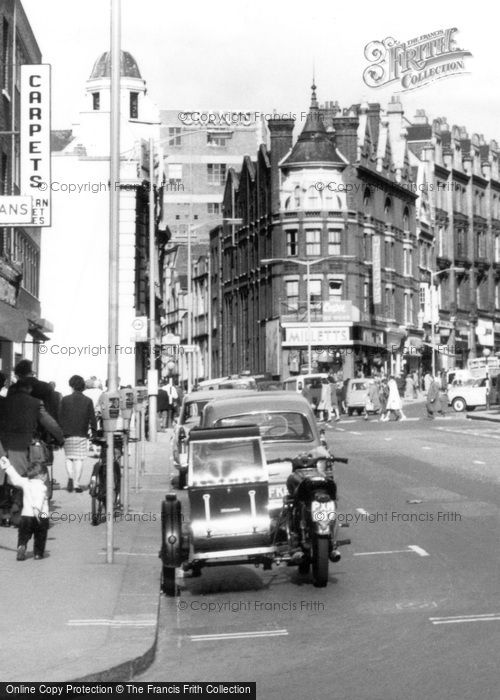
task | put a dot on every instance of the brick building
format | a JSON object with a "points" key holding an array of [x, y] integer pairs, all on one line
{"points": [[342, 192], [21, 325]]}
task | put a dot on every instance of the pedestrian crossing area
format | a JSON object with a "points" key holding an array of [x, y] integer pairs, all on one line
{"points": [[492, 433]]}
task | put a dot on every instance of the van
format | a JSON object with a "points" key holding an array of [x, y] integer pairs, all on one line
{"points": [[312, 381], [355, 395]]}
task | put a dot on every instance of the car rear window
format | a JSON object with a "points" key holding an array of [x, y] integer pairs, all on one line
{"points": [[193, 409], [273, 425]]}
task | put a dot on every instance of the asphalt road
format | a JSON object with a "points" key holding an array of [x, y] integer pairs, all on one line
{"points": [[411, 611]]}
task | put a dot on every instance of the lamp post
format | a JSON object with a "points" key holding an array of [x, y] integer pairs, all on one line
{"points": [[433, 336], [307, 264]]}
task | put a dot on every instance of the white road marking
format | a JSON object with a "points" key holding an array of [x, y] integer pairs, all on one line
{"points": [[425, 447], [354, 432], [387, 439], [454, 619], [112, 623], [413, 419], [475, 433], [135, 554], [348, 421], [237, 635], [411, 548], [340, 430], [421, 552], [362, 511], [478, 461]]}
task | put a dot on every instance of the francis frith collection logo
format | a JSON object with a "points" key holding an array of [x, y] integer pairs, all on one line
{"points": [[416, 62]]}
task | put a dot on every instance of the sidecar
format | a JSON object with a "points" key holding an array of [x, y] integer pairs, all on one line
{"points": [[226, 517]]}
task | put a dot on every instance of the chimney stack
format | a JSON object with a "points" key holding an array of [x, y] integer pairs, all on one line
{"points": [[281, 136]]}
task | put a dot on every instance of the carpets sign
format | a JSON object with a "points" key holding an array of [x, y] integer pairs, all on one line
{"points": [[416, 62]]}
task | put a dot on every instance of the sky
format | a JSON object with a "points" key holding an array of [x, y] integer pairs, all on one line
{"points": [[259, 56]]}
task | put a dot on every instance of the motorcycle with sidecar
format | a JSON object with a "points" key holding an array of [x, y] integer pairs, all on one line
{"points": [[226, 519]]}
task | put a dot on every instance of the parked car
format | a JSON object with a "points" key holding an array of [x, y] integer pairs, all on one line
{"points": [[355, 395], [234, 381], [467, 395], [189, 416], [313, 381], [287, 426]]}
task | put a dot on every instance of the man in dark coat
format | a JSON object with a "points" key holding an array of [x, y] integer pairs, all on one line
{"points": [[40, 390], [21, 417]]}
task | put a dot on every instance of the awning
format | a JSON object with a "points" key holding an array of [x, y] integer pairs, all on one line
{"points": [[13, 323]]}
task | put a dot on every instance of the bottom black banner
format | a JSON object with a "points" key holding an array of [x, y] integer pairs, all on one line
{"points": [[202, 691]]}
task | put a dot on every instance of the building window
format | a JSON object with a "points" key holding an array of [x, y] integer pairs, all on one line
{"points": [[389, 254], [174, 136], [315, 291], [497, 295], [96, 101], [213, 208], [291, 243], [296, 197], [366, 297], [313, 242], [461, 247], [216, 173], [440, 241], [406, 220], [5, 55], [174, 172], [334, 242], [313, 198], [481, 244], [387, 207], [409, 308], [292, 294], [216, 139], [335, 290], [134, 105], [367, 247], [497, 249], [407, 261], [367, 201]]}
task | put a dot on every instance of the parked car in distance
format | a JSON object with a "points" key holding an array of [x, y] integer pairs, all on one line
{"points": [[312, 381], [230, 382], [355, 395], [468, 394], [189, 416], [287, 426]]}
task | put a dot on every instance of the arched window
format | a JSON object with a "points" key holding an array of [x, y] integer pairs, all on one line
{"points": [[313, 198], [367, 200], [297, 197], [406, 219], [288, 203], [387, 206]]}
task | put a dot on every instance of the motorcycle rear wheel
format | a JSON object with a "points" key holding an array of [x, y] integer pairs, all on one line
{"points": [[320, 561]]}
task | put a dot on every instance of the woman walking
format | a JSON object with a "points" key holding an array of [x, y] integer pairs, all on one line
{"points": [[394, 403], [76, 416], [325, 401]]}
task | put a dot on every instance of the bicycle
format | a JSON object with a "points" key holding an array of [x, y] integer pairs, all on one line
{"points": [[97, 486]]}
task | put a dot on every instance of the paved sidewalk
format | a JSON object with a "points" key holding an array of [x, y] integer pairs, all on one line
{"points": [[72, 616], [493, 415]]}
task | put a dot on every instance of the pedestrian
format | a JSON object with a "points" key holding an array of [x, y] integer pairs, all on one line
{"points": [[372, 402], [394, 403], [334, 398], [35, 512], [325, 403], [76, 417], [40, 390], [383, 395], [3, 388], [409, 387], [427, 381], [415, 384], [341, 394], [22, 418], [162, 404], [433, 402], [93, 389]]}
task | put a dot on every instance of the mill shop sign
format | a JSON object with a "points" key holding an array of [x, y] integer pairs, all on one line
{"points": [[416, 62], [32, 207]]}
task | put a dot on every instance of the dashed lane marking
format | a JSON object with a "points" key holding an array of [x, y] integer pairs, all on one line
{"points": [[126, 623], [478, 461], [475, 433], [237, 635], [455, 619], [412, 548], [387, 439], [426, 447], [340, 430], [354, 432]]}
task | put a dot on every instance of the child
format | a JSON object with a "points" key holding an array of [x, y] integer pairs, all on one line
{"points": [[35, 513]]}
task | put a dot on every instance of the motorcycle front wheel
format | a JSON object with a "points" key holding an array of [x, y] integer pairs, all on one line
{"points": [[320, 561]]}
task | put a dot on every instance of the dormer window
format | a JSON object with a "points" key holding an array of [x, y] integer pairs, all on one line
{"points": [[134, 105], [96, 101]]}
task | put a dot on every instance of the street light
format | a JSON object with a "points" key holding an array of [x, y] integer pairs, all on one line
{"points": [[307, 264], [433, 277]]}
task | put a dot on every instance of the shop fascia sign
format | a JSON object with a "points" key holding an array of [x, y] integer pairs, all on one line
{"points": [[300, 335], [484, 333], [33, 206]]}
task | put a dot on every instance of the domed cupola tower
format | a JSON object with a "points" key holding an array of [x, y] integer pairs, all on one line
{"points": [[311, 165]]}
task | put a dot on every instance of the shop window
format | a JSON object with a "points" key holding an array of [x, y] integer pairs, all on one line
{"points": [[313, 242], [334, 242], [291, 243]]}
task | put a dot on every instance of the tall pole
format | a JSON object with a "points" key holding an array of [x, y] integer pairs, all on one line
{"points": [[152, 297], [189, 313], [209, 315], [114, 205], [433, 355], [309, 350]]}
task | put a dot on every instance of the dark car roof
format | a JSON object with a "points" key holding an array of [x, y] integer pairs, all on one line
{"points": [[216, 394]]}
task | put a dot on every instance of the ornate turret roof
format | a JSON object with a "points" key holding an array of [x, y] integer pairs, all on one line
{"points": [[128, 66], [314, 144]]}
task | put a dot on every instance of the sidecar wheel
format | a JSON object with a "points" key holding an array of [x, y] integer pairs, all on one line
{"points": [[320, 561], [168, 584]]}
